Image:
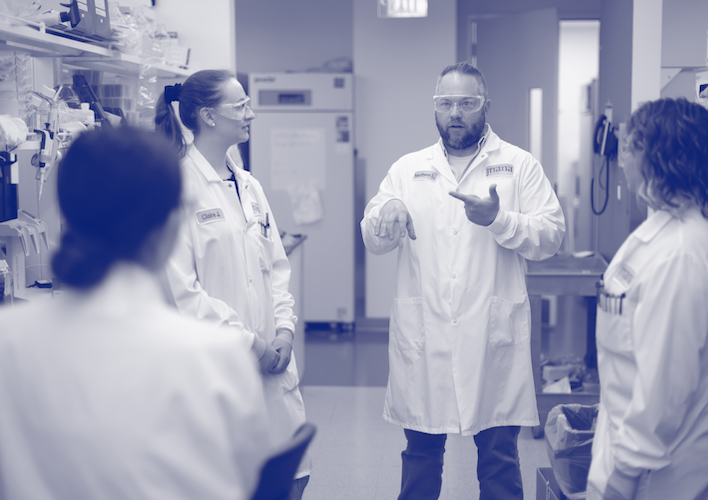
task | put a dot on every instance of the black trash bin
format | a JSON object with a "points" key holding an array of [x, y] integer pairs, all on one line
{"points": [[569, 432]]}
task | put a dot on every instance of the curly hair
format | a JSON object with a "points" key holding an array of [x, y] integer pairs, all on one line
{"points": [[673, 134]]}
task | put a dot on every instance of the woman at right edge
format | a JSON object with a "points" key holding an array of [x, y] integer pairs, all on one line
{"points": [[229, 265], [651, 439]]}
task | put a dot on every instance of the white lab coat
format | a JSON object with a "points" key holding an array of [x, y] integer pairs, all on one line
{"points": [[459, 349], [112, 394], [225, 270], [653, 362]]}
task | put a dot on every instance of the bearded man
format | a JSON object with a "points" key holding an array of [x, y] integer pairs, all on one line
{"points": [[464, 215]]}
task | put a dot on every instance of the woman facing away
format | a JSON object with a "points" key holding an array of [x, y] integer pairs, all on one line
{"points": [[106, 391], [651, 440], [229, 265]]}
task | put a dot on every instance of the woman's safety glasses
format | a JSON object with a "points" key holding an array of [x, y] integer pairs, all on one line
{"points": [[235, 111], [465, 103]]}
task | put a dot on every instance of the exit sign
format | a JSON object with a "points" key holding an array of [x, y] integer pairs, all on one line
{"points": [[403, 8]]}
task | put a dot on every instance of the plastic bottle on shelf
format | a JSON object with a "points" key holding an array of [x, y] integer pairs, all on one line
{"points": [[89, 116]]}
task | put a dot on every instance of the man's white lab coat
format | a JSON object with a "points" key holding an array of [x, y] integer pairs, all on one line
{"points": [[653, 362], [459, 350], [228, 268], [112, 394]]}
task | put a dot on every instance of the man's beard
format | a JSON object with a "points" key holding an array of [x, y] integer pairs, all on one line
{"points": [[469, 139]]}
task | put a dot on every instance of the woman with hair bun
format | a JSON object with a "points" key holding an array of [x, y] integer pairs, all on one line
{"points": [[105, 390], [651, 440], [229, 265]]}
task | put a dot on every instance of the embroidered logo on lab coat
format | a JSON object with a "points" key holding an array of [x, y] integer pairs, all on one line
{"points": [[209, 215], [506, 170], [256, 208], [425, 175]]}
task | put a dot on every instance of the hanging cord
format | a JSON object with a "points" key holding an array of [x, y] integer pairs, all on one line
{"points": [[607, 188]]}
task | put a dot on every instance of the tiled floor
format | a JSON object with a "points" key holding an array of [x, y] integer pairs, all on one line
{"points": [[356, 454]]}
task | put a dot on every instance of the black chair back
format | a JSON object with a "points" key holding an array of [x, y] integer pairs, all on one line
{"points": [[278, 472]]}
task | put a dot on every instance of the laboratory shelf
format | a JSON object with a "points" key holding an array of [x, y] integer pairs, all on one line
{"points": [[38, 40], [561, 275]]}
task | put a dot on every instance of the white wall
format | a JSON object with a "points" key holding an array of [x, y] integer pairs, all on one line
{"points": [[646, 51], [396, 63], [578, 66], [287, 35], [684, 27], [207, 28]]}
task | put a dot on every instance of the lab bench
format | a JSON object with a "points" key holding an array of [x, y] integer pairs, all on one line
{"points": [[562, 275]]}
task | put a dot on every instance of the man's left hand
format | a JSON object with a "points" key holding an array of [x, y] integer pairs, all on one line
{"points": [[481, 211]]}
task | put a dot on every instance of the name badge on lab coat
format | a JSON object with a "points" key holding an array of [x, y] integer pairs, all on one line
{"points": [[506, 170], [209, 215], [624, 276], [425, 175]]}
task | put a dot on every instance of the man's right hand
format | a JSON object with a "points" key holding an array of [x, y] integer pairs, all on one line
{"points": [[394, 219]]}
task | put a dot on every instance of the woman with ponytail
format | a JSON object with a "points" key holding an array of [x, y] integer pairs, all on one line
{"points": [[229, 265], [106, 391]]}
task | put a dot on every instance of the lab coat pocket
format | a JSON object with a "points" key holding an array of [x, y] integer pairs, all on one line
{"points": [[265, 254], [407, 324], [613, 331], [509, 322]]}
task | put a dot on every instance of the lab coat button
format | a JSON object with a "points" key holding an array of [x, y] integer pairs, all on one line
{"points": [[454, 321], [455, 233], [454, 276]]}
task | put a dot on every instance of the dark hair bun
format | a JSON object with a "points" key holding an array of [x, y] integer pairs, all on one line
{"points": [[115, 186]]}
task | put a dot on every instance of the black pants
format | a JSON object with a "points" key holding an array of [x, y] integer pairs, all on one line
{"points": [[498, 469]]}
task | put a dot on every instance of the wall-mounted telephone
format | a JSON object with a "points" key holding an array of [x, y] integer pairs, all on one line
{"points": [[605, 145], [605, 140]]}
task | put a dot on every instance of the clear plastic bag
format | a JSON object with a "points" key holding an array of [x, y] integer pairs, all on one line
{"points": [[569, 432]]}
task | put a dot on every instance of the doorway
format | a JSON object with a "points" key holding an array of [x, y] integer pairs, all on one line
{"points": [[578, 69]]}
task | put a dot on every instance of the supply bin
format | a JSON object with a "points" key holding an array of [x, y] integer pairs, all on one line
{"points": [[569, 434], [546, 485]]}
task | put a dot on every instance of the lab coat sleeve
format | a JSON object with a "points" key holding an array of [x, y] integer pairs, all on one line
{"points": [[239, 399], [283, 301], [182, 286], [669, 329], [537, 229], [388, 190]]}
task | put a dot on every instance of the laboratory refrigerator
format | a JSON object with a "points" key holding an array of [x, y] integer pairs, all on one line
{"points": [[301, 151]]}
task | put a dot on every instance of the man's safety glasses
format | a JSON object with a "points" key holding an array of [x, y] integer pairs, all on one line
{"points": [[466, 103], [235, 111]]}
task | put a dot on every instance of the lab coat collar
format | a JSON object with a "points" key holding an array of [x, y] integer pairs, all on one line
{"points": [[651, 227], [242, 177], [640, 237], [125, 287]]}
